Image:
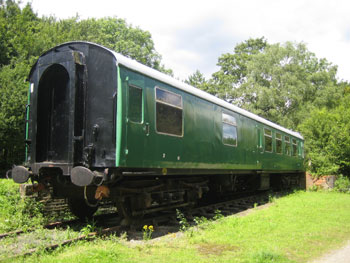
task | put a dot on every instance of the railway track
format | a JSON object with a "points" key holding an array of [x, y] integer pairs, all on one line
{"points": [[163, 219], [208, 210], [88, 237], [58, 224]]}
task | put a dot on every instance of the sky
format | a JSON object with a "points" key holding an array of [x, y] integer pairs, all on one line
{"points": [[191, 35]]}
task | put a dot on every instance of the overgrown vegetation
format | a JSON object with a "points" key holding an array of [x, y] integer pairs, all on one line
{"points": [[295, 228], [342, 184], [15, 212], [184, 224], [327, 138]]}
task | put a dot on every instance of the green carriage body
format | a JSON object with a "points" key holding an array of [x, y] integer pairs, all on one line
{"points": [[201, 145]]}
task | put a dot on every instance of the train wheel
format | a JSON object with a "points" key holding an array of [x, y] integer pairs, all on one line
{"points": [[80, 209], [124, 211]]}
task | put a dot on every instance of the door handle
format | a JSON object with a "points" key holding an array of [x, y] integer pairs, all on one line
{"points": [[146, 128]]}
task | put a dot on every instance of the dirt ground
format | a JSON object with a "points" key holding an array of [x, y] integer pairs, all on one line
{"points": [[341, 255]]}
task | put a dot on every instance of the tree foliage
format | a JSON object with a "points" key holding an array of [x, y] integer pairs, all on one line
{"points": [[198, 80], [234, 67], [24, 37], [327, 138]]}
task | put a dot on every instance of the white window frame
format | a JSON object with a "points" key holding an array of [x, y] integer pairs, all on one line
{"points": [[231, 120], [170, 105]]}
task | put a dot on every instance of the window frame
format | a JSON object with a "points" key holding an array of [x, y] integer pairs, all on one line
{"points": [[294, 144], [233, 124], [281, 140], [170, 105], [270, 136], [142, 104], [287, 142]]}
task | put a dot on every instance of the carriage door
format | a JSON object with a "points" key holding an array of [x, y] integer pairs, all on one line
{"points": [[137, 124], [60, 108], [259, 145]]}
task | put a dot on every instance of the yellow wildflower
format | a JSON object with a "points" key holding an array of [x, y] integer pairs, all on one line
{"points": [[145, 227]]}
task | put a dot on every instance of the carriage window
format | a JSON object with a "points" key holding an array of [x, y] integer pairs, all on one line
{"points": [[268, 140], [135, 104], [168, 112], [229, 130], [294, 143], [279, 143], [287, 145]]}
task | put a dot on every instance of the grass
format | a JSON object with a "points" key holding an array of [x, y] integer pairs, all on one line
{"points": [[15, 212], [23, 213], [37, 239], [296, 228]]}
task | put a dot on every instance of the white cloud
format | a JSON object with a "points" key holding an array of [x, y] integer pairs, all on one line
{"points": [[191, 35]]}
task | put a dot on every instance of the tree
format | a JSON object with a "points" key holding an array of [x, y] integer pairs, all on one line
{"points": [[233, 67], [198, 80], [17, 29], [111, 32], [327, 140], [13, 92]]}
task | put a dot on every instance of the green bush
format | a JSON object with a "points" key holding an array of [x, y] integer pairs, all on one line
{"points": [[342, 184], [327, 141]]}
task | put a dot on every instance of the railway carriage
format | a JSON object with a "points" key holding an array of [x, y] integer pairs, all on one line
{"points": [[100, 125]]}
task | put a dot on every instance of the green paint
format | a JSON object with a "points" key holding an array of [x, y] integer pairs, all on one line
{"points": [[201, 146], [27, 119], [119, 120], [135, 139]]}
